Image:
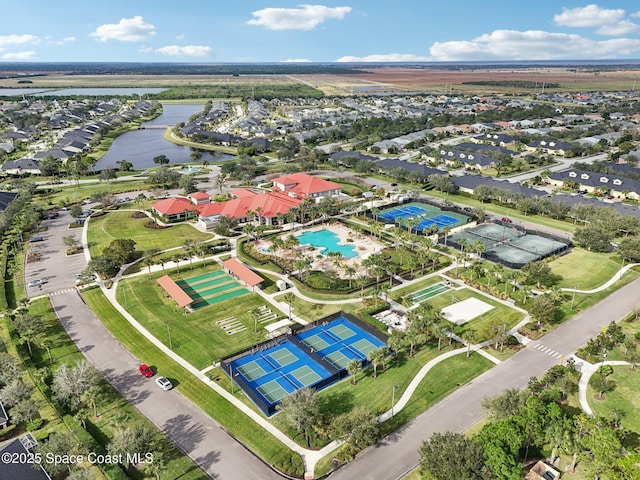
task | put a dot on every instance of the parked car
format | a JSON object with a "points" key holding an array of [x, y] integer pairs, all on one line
{"points": [[36, 238], [38, 282], [506, 220], [145, 370], [164, 383], [87, 201]]}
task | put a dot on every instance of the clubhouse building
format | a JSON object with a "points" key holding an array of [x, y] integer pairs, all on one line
{"points": [[287, 192]]}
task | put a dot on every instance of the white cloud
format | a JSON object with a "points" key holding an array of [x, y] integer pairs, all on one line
{"points": [[65, 40], [180, 37], [589, 16], [127, 30], [609, 21], [145, 49], [391, 57], [296, 60], [186, 51], [19, 55], [533, 45], [623, 27], [307, 17], [18, 39]]}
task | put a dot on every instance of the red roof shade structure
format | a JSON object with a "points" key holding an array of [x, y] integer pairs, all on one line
{"points": [[241, 271], [174, 290]]}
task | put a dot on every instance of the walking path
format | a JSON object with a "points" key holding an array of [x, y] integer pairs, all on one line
{"points": [[586, 372], [606, 284], [310, 457]]}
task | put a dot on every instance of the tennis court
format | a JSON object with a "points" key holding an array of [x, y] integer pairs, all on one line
{"points": [[426, 215], [275, 370], [339, 342], [429, 292], [210, 288], [315, 357], [509, 245]]}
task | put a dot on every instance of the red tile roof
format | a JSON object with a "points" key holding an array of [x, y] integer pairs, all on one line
{"points": [[304, 184], [268, 204], [241, 271], [243, 193], [199, 195], [174, 205], [174, 290]]}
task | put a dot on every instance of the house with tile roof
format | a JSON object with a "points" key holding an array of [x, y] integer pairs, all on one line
{"points": [[20, 470], [22, 166], [302, 185], [174, 209], [553, 147], [247, 206], [592, 182]]}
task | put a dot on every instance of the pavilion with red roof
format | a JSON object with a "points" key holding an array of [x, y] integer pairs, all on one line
{"points": [[243, 273]]}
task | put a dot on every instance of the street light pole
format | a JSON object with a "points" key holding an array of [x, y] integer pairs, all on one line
{"points": [[393, 398], [573, 298], [169, 333]]}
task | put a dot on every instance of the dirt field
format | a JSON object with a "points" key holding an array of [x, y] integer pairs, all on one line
{"points": [[376, 80], [394, 79]]}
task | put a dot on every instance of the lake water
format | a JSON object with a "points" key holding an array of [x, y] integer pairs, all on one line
{"points": [[87, 92], [141, 146]]}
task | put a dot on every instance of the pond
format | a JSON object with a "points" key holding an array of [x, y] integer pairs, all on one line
{"points": [[141, 146]]}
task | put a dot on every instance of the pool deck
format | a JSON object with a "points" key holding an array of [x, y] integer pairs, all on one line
{"points": [[364, 244]]}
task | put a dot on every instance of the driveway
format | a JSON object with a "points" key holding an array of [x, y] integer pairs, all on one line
{"points": [[193, 431], [398, 453]]}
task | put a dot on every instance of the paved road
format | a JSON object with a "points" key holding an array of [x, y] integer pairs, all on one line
{"points": [[193, 431], [398, 453]]}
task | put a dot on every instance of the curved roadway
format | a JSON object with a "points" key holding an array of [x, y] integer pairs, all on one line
{"points": [[398, 453]]}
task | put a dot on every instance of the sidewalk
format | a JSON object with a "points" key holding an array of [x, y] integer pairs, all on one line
{"points": [[587, 370]]}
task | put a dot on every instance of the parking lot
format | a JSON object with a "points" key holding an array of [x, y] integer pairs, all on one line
{"points": [[51, 270]]}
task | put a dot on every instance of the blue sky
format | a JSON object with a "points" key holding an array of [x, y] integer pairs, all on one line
{"points": [[211, 31]]}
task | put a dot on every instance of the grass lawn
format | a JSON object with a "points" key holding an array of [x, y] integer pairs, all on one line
{"points": [[442, 380], [505, 315], [195, 336], [422, 284], [585, 269], [625, 397], [310, 311], [72, 194], [111, 410], [104, 229], [250, 434], [508, 212]]}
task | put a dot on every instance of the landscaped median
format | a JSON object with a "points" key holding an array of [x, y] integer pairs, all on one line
{"points": [[229, 417]]}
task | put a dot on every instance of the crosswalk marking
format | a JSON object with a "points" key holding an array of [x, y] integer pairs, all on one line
{"points": [[63, 291], [547, 350]]}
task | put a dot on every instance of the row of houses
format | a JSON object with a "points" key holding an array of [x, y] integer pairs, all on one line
{"points": [[592, 182]]}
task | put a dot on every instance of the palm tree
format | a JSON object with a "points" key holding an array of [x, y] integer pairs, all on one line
{"points": [[176, 258], [147, 262], [375, 357], [354, 367], [470, 337], [289, 297], [350, 271]]}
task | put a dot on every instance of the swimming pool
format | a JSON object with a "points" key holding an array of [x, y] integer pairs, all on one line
{"points": [[327, 241], [190, 170]]}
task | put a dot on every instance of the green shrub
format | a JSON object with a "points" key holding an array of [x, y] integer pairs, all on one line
{"points": [[289, 463], [34, 425]]}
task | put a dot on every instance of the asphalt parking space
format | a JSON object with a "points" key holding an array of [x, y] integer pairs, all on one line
{"points": [[52, 265]]}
